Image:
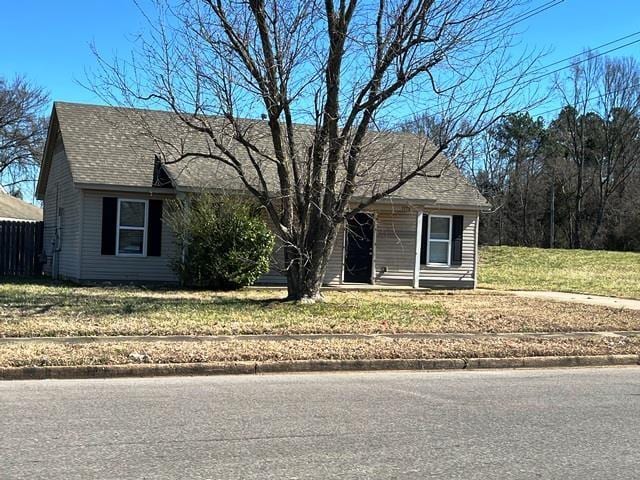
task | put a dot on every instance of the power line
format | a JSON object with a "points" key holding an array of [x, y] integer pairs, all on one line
{"points": [[578, 55], [525, 15], [519, 18], [591, 57], [546, 74], [590, 99]]}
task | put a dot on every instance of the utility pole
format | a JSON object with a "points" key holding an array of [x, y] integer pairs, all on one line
{"points": [[552, 209]]}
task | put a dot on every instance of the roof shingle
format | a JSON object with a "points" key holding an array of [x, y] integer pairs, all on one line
{"points": [[117, 147]]}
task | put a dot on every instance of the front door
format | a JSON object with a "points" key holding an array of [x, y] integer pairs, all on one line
{"points": [[358, 256]]}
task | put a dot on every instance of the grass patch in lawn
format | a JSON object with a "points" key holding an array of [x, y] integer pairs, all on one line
{"points": [[49, 310], [579, 271], [40, 309], [119, 353]]}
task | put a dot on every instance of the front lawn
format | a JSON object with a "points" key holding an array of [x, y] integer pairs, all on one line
{"points": [[43, 309], [579, 271]]}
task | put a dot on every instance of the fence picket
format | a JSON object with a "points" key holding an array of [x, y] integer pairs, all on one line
{"points": [[20, 248]]}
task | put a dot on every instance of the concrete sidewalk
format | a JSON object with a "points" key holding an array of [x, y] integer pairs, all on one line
{"points": [[612, 302]]}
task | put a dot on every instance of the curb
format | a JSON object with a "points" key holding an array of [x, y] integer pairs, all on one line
{"points": [[300, 366]]}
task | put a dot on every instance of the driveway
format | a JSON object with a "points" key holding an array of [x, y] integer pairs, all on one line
{"points": [[569, 424], [612, 302]]}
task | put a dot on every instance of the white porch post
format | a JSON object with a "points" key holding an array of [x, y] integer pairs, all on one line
{"points": [[476, 252], [416, 267]]}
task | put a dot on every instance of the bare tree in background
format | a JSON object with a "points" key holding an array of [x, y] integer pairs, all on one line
{"points": [[22, 133], [619, 104], [489, 170], [600, 130], [343, 67], [506, 164]]}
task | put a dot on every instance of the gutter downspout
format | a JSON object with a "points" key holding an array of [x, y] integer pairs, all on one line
{"points": [[56, 241]]}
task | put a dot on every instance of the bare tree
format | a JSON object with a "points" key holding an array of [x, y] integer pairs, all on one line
{"points": [[619, 107], [572, 123], [22, 132], [521, 140], [506, 163], [599, 129], [489, 170], [342, 67]]}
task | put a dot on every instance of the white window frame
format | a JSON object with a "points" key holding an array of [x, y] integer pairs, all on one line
{"points": [[448, 242], [143, 229]]}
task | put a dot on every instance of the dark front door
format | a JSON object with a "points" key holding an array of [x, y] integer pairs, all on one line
{"points": [[358, 256]]}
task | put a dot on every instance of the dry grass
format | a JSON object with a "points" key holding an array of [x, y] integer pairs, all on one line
{"points": [[39, 309], [578, 271], [118, 353]]}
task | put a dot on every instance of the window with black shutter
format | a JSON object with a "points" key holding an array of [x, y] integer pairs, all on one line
{"points": [[131, 227], [437, 240]]}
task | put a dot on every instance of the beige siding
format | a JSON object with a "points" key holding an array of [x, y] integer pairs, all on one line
{"points": [[333, 274], [395, 252], [465, 271], [61, 195], [275, 275], [395, 246], [95, 266], [80, 256]]}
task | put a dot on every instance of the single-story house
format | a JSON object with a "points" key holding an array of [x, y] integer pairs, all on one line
{"points": [[104, 181], [15, 210]]}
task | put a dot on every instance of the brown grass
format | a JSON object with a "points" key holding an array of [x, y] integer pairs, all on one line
{"points": [[116, 353], [35, 309]]}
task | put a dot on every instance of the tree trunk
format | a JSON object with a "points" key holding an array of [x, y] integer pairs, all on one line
{"points": [[598, 224], [303, 283], [306, 266], [576, 241]]}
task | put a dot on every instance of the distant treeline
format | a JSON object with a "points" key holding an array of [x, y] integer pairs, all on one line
{"points": [[571, 183]]}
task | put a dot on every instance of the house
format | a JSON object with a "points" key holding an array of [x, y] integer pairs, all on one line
{"points": [[104, 181], [16, 210]]}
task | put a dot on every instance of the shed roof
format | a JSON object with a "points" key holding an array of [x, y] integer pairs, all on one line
{"points": [[13, 208]]}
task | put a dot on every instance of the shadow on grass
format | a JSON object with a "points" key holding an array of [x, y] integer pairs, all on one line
{"points": [[36, 281], [47, 296], [26, 301]]}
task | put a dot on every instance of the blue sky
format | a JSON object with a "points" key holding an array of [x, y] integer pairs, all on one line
{"points": [[48, 41]]}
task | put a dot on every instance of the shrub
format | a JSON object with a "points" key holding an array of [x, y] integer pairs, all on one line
{"points": [[223, 243]]}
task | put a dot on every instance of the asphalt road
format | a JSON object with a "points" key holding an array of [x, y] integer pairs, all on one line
{"points": [[568, 424]]}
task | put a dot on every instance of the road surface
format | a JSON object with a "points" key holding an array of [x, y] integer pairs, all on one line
{"points": [[568, 424]]}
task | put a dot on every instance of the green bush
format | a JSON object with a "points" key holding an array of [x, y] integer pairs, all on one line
{"points": [[223, 243]]}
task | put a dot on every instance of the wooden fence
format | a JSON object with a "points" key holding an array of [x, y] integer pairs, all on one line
{"points": [[20, 248]]}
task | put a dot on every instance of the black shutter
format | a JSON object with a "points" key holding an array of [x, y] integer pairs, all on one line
{"points": [[109, 227], [154, 228], [424, 239], [456, 241]]}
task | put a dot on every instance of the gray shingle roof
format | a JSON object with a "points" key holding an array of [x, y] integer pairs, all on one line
{"points": [[16, 209], [117, 147]]}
